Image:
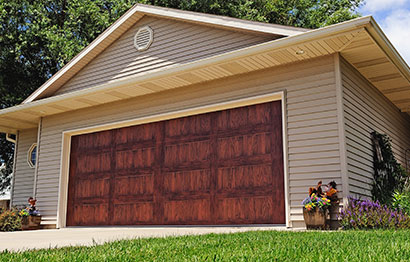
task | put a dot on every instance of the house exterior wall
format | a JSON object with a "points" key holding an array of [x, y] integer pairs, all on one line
{"points": [[23, 179], [367, 110], [175, 42], [310, 109]]}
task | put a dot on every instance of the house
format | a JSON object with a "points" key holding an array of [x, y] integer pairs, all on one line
{"points": [[174, 118]]}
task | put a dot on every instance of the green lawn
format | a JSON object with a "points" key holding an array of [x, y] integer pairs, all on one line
{"points": [[249, 246]]}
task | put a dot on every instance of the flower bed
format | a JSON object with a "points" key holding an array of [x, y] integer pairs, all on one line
{"points": [[367, 214]]}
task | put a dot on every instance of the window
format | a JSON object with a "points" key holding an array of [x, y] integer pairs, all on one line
{"points": [[32, 156]]}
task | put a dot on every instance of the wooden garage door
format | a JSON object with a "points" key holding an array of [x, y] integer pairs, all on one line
{"points": [[223, 167]]}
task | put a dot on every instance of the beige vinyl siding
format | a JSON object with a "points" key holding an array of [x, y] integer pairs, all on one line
{"points": [[175, 42], [367, 110], [311, 119], [24, 175]]}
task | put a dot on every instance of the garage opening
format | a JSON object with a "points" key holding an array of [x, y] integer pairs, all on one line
{"points": [[217, 168]]}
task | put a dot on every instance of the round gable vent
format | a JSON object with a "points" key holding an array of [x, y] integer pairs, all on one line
{"points": [[143, 38]]}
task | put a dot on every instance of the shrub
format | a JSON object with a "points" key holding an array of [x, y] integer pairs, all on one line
{"points": [[10, 220], [401, 201], [366, 214], [389, 176]]}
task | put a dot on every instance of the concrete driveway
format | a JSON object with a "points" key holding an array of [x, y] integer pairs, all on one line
{"points": [[87, 236]]}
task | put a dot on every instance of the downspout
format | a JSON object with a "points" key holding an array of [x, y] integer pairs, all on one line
{"points": [[40, 124], [14, 141]]}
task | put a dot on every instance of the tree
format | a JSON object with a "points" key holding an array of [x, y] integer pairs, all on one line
{"points": [[301, 13], [37, 38]]}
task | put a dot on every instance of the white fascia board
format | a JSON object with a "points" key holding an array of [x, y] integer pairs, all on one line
{"points": [[219, 20], [384, 43], [253, 50]]}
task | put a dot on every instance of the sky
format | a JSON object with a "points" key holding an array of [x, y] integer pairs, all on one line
{"points": [[393, 16]]}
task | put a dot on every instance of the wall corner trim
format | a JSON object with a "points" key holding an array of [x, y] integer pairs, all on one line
{"points": [[14, 169], [341, 128]]}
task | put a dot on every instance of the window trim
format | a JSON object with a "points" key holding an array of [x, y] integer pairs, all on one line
{"points": [[29, 152]]}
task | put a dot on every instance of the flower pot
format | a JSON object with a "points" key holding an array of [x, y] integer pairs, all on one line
{"points": [[30, 222], [333, 218], [315, 219]]}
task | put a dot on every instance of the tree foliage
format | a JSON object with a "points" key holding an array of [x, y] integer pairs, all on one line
{"points": [[301, 13], [37, 38]]}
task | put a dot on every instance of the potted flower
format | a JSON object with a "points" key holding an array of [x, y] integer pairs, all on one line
{"points": [[24, 219], [30, 217], [315, 210]]}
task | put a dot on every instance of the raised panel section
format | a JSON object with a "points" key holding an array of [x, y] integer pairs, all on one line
{"points": [[92, 188], [135, 158], [134, 185], [188, 126], [245, 209], [187, 181], [247, 177], [195, 211], [96, 214], [133, 213], [93, 163], [188, 153]]}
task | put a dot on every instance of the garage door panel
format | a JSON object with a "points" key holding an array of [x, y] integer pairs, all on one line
{"points": [[198, 125], [224, 167], [133, 213], [187, 153], [239, 161], [93, 163], [237, 118], [244, 177], [243, 131], [245, 210], [97, 140], [187, 181], [92, 188], [134, 185], [196, 211], [135, 135], [90, 214], [138, 158], [244, 146]]}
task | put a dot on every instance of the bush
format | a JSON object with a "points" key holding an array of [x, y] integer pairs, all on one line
{"points": [[10, 220], [389, 176], [401, 201], [366, 214]]}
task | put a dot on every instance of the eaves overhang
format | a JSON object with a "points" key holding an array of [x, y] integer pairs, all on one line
{"points": [[358, 41]]}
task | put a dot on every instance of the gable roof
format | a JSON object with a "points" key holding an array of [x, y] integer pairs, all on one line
{"points": [[136, 13], [359, 41]]}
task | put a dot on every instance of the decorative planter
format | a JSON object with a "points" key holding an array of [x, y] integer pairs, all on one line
{"points": [[333, 219], [315, 219], [30, 222]]}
